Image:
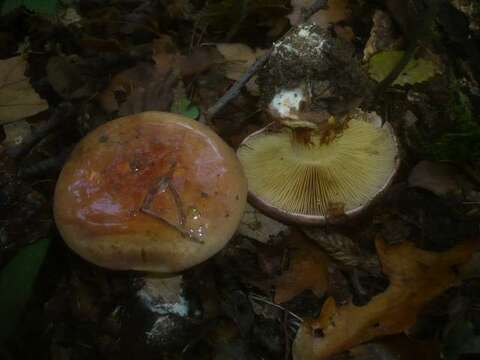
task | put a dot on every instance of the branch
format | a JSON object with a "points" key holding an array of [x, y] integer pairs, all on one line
{"points": [[237, 87]]}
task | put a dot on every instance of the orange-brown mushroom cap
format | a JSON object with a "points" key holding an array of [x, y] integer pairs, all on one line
{"points": [[151, 191]]}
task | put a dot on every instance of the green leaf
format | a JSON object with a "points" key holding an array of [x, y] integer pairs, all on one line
{"points": [[416, 71], [44, 7], [16, 284], [184, 107]]}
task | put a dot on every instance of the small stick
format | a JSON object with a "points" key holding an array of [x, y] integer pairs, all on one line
{"points": [[237, 87], [261, 299], [161, 184], [178, 204]]}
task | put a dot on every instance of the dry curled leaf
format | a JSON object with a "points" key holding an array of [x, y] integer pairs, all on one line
{"points": [[141, 88], [440, 178], [308, 269], [18, 99], [150, 86], [67, 79], [416, 276]]}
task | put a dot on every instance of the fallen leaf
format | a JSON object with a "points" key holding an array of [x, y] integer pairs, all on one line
{"points": [[398, 347], [255, 225], [66, 78], [382, 35], [164, 53], [141, 88], [238, 58], [308, 269], [166, 56], [416, 276], [440, 178], [337, 10], [150, 86], [18, 99], [416, 71]]}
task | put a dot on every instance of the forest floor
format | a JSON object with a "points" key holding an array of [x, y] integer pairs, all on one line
{"points": [[400, 282]]}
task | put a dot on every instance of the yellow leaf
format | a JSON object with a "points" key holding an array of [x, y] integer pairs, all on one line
{"points": [[18, 99], [416, 71]]}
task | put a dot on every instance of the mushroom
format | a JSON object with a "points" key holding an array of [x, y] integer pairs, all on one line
{"points": [[152, 192], [296, 176]]}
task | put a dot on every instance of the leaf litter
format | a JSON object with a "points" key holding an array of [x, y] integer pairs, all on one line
{"points": [[276, 290], [18, 99]]}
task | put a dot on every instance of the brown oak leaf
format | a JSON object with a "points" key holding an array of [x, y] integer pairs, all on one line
{"points": [[416, 276], [308, 269]]}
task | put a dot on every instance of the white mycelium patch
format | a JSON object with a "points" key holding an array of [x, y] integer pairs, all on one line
{"points": [[304, 41], [287, 102]]}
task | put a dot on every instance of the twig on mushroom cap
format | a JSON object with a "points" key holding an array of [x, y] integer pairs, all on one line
{"points": [[252, 70], [161, 184]]}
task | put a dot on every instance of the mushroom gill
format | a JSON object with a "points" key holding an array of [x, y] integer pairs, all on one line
{"points": [[310, 179]]}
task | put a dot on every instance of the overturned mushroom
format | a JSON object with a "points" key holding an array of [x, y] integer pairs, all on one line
{"points": [[152, 191], [297, 176]]}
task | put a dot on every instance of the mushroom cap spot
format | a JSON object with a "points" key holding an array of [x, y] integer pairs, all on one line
{"points": [[103, 185], [305, 183]]}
